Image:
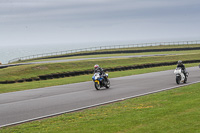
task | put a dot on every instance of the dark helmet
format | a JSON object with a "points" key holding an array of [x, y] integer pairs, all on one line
{"points": [[179, 62], [96, 66]]}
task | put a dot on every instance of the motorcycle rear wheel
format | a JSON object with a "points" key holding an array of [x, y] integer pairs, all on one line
{"points": [[185, 80]]}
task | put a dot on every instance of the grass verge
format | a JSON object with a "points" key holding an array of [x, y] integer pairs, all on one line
{"points": [[175, 110], [68, 80]]}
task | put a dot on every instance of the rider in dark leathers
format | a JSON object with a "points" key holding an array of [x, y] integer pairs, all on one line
{"points": [[180, 64], [97, 69]]}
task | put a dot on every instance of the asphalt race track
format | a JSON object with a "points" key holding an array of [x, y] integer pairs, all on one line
{"points": [[22, 106]]}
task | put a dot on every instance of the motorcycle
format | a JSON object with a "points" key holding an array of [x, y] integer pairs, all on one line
{"points": [[101, 81], [180, 77]]}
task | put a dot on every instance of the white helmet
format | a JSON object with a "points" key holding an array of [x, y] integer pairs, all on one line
{"points": [[179, 62]]}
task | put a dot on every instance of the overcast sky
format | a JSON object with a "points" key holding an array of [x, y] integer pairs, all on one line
{"points": [[31, 22]]}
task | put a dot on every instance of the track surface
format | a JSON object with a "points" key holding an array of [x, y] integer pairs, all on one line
{"points": [[37, 103]]}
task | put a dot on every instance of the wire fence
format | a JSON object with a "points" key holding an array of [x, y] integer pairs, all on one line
{"points": [[111, 47]]}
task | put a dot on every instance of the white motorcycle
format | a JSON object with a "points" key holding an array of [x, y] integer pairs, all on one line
{"points": [[180, 77]]}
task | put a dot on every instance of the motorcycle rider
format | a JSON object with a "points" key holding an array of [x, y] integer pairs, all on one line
{"points": [[180, 64], [98, 69]]}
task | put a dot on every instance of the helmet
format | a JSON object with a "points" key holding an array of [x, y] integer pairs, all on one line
{"points": [[96, 66], [179, 62]]}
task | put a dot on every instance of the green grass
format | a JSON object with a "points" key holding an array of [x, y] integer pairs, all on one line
{"points": [[117, 49], [68, 80], [33, 71], [121, 54], [172, 111]]}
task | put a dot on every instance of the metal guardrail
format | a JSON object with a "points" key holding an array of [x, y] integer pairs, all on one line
{"points": [[111, 47]]}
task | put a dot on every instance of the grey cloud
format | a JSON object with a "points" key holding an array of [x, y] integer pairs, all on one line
{"points": [[37, 9], [66, 20], [98, 10]]}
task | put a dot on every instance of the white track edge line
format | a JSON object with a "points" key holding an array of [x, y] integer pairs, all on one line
{"points": [[94, 105]]}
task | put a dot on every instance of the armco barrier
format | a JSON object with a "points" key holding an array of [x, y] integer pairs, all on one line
{"points": [[76, 73], [111, 52], [122, 51], [95, 49]]}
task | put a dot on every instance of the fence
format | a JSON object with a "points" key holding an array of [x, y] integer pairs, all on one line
{"points": [[103, 48]]}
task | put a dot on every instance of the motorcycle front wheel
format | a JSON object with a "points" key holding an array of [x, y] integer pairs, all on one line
{"points": [[97, 86], [178, 79], [108, 83]]}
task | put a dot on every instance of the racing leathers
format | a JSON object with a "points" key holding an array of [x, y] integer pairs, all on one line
{"points": [[99, 70], [183, 68], [102, 73]]}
